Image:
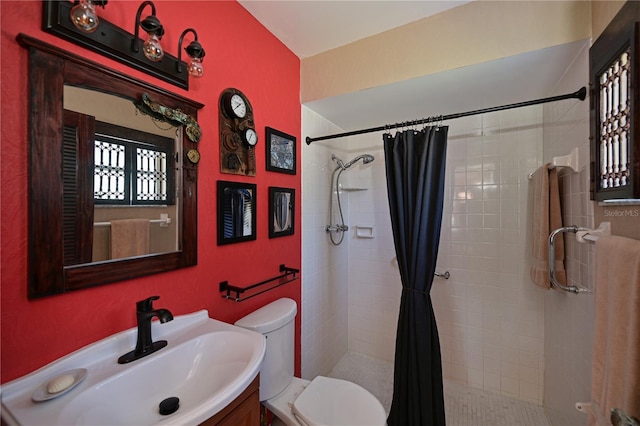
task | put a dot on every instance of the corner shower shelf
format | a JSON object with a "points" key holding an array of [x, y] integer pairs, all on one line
{"points": [[289, 275]]}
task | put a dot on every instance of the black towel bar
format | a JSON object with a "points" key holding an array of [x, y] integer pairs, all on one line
{"points": [[290, 273]]}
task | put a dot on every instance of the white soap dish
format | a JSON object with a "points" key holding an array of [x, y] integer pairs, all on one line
{"points": [[59, 385], [364, 231]]}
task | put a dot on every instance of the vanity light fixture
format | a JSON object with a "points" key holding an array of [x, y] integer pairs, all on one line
{"points": [[119, 44], [152, 26], [83, 14], [195, 52]]}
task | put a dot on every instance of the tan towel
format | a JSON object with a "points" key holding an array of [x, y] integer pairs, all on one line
{"points": [[616, 355], [547, 216], [129, 237]]}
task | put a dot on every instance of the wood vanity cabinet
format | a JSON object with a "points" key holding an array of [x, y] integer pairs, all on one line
{"points": [[243, 411]]}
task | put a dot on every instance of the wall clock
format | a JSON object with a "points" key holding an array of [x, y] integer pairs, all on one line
{"points": [[238, 135], [234, 105]]}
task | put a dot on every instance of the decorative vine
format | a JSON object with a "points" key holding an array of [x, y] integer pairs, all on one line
{"points": [[170, 115]]}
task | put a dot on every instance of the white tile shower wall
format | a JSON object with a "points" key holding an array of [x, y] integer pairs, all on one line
{"points": [[569, 318], [490, 315], [324, 266], [374, 282]]}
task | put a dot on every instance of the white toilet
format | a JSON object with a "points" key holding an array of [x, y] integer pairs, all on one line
{"points": [[294, 401]]}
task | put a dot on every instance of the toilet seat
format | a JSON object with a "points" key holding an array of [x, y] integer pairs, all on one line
{"points": [[329, 402]]}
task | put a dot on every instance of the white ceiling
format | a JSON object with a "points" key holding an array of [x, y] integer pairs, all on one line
{"points": [[311, 27]]}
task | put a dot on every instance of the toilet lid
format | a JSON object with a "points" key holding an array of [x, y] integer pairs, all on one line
{"points": [[330, 402]]}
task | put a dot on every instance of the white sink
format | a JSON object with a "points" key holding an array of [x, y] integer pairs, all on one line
{"points": [[206, 364]]}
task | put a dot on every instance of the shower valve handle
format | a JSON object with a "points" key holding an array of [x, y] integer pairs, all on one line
{"points": [[336, 228]]}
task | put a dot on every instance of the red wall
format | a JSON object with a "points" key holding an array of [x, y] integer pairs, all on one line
{"points": [[241, 53]]}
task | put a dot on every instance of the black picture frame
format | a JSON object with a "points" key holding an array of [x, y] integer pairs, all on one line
{"points": [[236, 202], [281, 151], [282, 207]]}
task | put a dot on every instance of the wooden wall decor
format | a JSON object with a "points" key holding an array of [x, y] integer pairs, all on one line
{"points": [[237, 134], [614, 78]]}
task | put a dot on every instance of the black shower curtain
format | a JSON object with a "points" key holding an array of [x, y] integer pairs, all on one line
{"points": [[415, 166]]}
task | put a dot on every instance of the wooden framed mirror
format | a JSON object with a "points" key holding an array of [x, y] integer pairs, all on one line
{"points": [[64, 210]]}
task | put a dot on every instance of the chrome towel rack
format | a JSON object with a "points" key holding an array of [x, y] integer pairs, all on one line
{"points": [[583, 235]]}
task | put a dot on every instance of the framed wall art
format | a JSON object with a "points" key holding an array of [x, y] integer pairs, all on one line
{"points": [[281, 151], [236, 212], [281, 211]]}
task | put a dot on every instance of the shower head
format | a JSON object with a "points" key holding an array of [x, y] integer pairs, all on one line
{"points": [[366, 159]]}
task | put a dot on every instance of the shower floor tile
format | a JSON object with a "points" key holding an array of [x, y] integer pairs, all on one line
{"points": [[464, 405]]}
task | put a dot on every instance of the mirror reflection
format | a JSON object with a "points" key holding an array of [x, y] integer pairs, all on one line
{"points": [[133, 176]]}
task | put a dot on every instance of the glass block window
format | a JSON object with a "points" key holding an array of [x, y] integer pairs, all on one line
{"points": [[615, 110], [132, 167]]}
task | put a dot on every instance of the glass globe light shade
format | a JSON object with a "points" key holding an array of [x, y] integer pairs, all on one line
{"points": [[195, 67], [152, 49], [83, 15]]}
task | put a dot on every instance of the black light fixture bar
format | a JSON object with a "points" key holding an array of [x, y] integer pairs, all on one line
{"points": [[110, 41]]}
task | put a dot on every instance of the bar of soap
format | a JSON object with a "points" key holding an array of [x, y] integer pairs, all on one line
{"points": [[60, 383]]}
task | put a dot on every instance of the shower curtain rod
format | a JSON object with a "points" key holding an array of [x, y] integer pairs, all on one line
{"points": [[580, 94]]}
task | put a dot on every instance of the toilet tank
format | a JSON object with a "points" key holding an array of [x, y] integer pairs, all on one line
{"points": [[275, 322]]}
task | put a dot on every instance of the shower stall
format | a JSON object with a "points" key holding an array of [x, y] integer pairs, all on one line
{"points": [[491, 318]]}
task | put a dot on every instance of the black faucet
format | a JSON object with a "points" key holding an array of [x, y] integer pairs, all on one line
{"points": [[145, 345]]}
